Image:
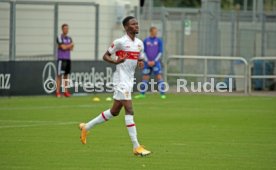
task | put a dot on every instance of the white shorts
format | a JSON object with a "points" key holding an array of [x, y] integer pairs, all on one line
{"points": [[123, 85], [122, 92]]}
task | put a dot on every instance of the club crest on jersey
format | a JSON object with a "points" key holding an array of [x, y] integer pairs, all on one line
{"points": [[139, 47]]}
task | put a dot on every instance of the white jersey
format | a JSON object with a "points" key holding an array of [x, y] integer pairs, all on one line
{"points": [[124, 75]]}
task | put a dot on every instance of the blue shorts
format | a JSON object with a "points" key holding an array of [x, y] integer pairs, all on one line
{"points": [[156, 69]]}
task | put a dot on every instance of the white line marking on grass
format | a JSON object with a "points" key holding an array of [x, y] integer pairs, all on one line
{"points": [[66, 106], [179, 144], [48, 107], [32, 121], [37, 123]]}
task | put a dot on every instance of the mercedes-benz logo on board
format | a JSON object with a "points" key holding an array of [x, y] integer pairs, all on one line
{"points": [[48, 77]]}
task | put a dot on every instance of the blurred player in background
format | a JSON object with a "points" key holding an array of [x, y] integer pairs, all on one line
{"points": [[65, 46], [153, 53], [129, 51]]}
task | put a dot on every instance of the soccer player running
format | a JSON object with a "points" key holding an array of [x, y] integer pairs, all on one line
{"points": [[65, 46], [153, 50], [129, 51]]}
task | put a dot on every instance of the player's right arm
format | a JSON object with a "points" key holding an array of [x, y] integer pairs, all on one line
{"points": [[116, 46], [145, 50], [150, 63], [107, 58]]}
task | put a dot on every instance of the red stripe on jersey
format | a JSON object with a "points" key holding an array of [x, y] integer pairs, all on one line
{"points": [[130, 54], [104, 116], [130, 125]]}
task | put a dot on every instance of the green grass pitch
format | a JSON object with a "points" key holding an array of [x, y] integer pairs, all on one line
{"points": [[184, 132]]}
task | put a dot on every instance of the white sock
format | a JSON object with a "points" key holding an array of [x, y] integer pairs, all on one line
{"points": [[103, 117], [132, 130]]}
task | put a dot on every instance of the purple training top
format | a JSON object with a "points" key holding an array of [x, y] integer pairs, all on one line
{"points": [[63, 54], [153, 46]]}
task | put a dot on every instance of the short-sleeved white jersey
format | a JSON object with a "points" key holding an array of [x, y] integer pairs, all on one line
{"points": [[134, 50]]}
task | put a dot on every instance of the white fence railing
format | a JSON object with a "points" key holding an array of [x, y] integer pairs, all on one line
{"points": [[205, 74], [251, 62]]}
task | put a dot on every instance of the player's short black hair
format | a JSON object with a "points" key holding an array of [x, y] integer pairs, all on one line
{"points": [[126, 19], [64, 25]]}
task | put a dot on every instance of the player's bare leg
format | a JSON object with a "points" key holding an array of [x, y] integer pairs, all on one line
{"points": [[65, 80], [161, 86], [103, 117], [131, 127], [145, 81], [58, 82]]}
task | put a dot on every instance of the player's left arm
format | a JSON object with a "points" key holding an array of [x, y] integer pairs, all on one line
{"points": [[71, 44], [160, 50]]}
